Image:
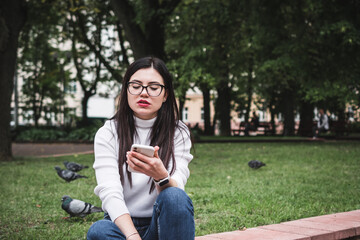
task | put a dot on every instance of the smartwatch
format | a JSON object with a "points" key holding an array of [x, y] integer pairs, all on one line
{"points": [[163, 181]]}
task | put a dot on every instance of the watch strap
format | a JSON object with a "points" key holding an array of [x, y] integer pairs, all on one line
{"points": [[163, 181]]}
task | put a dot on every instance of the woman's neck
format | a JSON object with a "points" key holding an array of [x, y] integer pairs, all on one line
{"points": [[144, 123]]}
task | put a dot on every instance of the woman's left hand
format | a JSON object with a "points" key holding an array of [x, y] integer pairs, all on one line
{"points": [[150, 166]]}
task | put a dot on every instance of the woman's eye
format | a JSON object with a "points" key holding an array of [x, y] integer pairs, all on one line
{"points": [[136, 86], [154, 87]]}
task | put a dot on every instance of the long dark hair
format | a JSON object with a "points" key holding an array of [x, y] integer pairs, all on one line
{"points": [[163, 130]]}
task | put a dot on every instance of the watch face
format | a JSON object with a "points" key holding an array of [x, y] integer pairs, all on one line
{"points": [[166, 181]]}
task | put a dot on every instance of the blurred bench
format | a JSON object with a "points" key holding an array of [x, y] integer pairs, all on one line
{"points": [[264, 128], [339, 128]]}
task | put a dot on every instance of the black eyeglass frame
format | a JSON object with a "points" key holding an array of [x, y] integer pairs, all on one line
{"points": [[152, 84]]}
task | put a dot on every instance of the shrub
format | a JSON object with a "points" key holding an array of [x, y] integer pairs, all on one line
{"points": [[354, 127], [84, 133], [52, 134], [40, 134]]}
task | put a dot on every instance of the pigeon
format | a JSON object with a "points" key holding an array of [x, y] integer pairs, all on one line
{"points": [[68, 175], [78, 208], [255, 164], [75, 167]]}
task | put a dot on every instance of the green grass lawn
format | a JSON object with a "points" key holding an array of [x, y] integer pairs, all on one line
{"points": [[216, 139], [300, 180]]}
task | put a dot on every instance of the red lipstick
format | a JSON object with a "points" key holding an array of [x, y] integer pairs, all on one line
{"points": [[143, 103]]}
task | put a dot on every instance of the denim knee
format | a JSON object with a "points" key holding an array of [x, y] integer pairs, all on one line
{"points": [[94, 230], [100, 230], [175, 199], [175, 215]]}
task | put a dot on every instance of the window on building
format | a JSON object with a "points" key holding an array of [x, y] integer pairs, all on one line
{"points": [[70, 116], [12, 123], [27, 117], [71, 87], [202, 114], [261, 115], [185, 114]]}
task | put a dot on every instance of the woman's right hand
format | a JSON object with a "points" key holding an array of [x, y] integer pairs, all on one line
{"points": [[150, 166], [126, 226], [134, 237]]}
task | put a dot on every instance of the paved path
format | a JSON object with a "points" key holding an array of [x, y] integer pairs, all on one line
{"points": [[344, 225], [50, 149]]}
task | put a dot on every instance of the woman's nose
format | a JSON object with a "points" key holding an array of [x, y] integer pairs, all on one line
{"points": [[144, 92]]}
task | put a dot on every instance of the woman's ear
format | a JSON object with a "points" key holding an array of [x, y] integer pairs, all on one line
{"points": [[165, 96]]}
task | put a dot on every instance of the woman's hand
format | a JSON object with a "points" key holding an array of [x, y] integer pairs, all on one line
{"points": [[126, 226], [150, 166], [134, 237]]}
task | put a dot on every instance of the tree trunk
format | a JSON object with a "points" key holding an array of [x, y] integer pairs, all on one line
{"points": [[272, 116], [16, 100], [288, 112], [224, 108], [126, 15], [84, 104], [12, 18], [181, 107], [340, 112], [249, 93], [155, 36], [149, 37], [306, 119], [208, 129], [35, 115]]}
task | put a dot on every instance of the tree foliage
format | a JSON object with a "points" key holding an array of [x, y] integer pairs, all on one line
{"points": [[39, 60], [288, 56]]}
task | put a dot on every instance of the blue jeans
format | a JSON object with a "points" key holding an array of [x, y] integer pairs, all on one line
{"points": [[173, 218]]}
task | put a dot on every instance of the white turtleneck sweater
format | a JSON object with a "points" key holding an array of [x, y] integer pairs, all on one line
{"points": [[118, 199]]}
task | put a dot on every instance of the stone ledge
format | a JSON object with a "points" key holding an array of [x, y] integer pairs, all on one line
{"points": [[343, 225]]}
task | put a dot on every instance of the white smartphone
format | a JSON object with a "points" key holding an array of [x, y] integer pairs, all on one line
{"points": [[143, 149]]}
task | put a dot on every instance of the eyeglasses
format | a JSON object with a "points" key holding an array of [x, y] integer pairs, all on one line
{"points": [[153, 89]]}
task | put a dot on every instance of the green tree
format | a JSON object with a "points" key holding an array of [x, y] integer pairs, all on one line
{"points": [[186, 50], [89, 56], [280, 71], [335, 46], [39, 59], [310, 56], [12, 19], [245, 52], [203, 47], [102, 41], [144, 24]]}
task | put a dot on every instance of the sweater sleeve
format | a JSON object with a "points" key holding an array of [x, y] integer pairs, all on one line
{"points": [[182, 146], [109, 187]]}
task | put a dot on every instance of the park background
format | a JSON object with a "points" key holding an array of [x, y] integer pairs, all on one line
{"points": [[61, 65]]}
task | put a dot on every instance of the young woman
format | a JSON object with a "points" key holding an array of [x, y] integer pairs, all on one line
{"points": [[150, 204]]}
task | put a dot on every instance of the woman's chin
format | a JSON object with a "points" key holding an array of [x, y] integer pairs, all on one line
{"points": [[145, 115]]}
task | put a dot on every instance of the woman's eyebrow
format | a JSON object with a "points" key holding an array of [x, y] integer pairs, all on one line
{"points": [[154, 82], [134, 80], [141, 82]]}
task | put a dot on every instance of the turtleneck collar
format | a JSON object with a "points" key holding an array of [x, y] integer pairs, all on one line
{"points": [[144, 123]]}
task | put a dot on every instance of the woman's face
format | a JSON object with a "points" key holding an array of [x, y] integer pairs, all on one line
{"points": [[145, 106]]}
